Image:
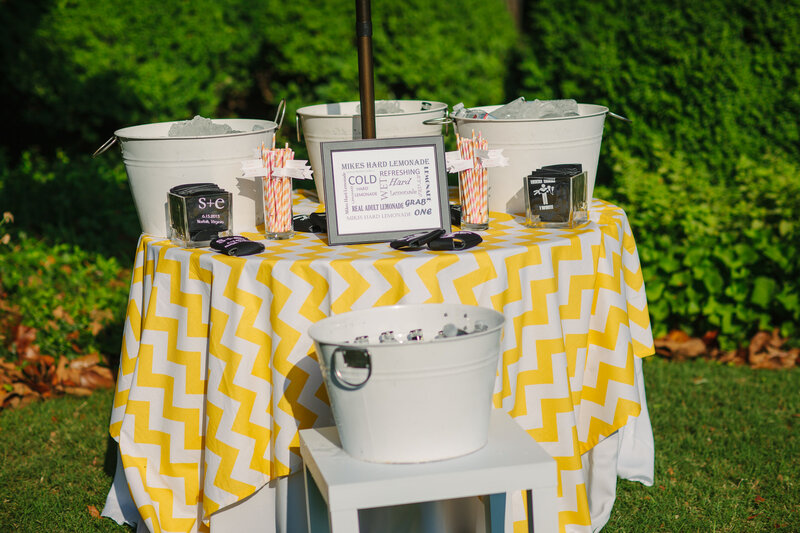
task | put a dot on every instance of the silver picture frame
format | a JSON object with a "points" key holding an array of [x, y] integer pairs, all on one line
{"points": [[379, 190]]}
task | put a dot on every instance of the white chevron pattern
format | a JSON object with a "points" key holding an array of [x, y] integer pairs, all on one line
{"points": [[218, 374]]}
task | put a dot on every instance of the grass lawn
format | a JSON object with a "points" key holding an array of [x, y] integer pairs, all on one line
{"points": [[727, 451], [727, 456], [53, 465]]}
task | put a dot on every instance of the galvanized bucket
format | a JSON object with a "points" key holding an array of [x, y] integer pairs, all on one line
{"points": [[156, 162], [410, 401], [532, 143], [340, 122]]}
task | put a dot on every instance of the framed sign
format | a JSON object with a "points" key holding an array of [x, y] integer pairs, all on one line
{"points": [[378, 190]]}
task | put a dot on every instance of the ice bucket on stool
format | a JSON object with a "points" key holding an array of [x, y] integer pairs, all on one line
{"points": [[410, 401]]}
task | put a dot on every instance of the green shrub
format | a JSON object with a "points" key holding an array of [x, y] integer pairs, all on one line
{"points": [[703, 171], [718, 253], [78, 70], [445, 51], [66, 281], [713, 79], [72, 199], [73, 299], [81, 69]]}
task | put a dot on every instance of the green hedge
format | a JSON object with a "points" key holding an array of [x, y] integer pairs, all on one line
{"points": [[80, 69], [446, 51], [61, 272], [72, 199], [717, 254], [704, 171], [75, 300], [712, 79]]}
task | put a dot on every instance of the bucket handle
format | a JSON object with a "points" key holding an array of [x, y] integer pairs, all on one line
{"points": [[106, 145], [449, 120], [438, 121], [351, 358], [297, 126], [280, 112], [620, 117]]}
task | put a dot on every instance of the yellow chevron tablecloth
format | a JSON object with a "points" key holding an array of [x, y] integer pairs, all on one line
{"points": [[217, 373]]}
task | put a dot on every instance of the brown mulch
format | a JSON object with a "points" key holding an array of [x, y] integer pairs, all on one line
{"points": [[36, 376], [766, 350]]}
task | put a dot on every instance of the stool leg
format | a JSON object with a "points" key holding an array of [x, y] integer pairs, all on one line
{"points": [[344, 521], [494, 506], [316, 507], [545, 516]]}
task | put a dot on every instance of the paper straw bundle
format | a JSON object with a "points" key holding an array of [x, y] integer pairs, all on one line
{"points": [[483, 181], [473, 182], [277, 190]]}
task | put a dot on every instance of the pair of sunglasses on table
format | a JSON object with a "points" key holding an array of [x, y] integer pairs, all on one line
{"points": [[437, 239]]}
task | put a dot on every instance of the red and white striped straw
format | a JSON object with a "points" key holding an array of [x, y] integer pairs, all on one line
{"points": [[279, 194], [284, 192], [483, 185], [465, 184]]}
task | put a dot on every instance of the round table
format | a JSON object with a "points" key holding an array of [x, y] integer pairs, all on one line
{"points": [[218, 374]]}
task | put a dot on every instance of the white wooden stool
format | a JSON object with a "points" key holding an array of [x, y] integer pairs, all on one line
{"points": [[337, 485]]}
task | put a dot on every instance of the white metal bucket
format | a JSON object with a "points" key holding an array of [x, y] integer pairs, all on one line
{"points": [[155, 163], [410, 402], [532, 143], [339, 122]]}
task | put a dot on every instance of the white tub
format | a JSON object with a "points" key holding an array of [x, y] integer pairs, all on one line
{"points": [[412, 402]]}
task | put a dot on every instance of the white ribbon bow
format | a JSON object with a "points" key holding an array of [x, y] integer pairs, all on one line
{"points": [[487, 159], [492, 158], [454, 163], [293, 168]]}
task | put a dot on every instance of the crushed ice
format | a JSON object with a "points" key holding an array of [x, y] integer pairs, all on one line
{"points": [[199, 126], [384, 107], [522, 109]]}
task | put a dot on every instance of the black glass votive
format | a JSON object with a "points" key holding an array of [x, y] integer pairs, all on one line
{"points": [[199, 213], [555, 197]]}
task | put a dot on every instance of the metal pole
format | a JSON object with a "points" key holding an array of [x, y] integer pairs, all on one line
{"points": [[365, 76]]}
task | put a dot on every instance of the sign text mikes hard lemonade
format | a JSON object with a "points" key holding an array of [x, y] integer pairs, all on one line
{"points": [[394, 186]]}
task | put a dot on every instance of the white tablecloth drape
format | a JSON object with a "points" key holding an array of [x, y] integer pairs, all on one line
{"points": [[218, 374]]}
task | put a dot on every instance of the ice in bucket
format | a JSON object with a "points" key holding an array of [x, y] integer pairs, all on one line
{"points": [[384, 107], [522, 109], [417, 335], [199, 126]]}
